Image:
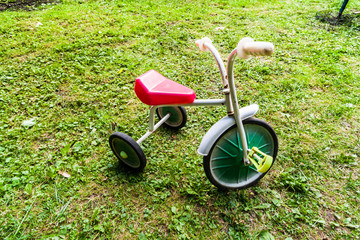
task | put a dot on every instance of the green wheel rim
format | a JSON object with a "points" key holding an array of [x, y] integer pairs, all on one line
{"points": [[176, 118], [226, 161], [125, 152]]}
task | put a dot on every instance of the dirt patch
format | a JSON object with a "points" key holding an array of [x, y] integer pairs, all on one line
{"points": [[351, 19], [27, 5]]}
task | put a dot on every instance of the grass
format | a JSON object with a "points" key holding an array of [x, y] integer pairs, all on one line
{"points": [[70, 69]]}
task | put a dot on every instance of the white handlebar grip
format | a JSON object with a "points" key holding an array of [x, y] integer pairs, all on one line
{"points": [[247, 47], [200, 43]]}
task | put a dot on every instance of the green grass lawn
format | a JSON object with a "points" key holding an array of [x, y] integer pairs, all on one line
{"points": [[70, 68]]}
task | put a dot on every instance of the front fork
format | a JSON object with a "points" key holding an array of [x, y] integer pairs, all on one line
{"points": [[233, 110], [260, 160], [241, 131]]}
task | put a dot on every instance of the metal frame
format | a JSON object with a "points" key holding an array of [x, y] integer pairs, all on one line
{"points": [[197, 102], [230, 100]]}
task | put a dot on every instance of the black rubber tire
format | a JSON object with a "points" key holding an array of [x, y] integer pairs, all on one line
{"points": [[178, 118], [255, 176], [127, 151]]}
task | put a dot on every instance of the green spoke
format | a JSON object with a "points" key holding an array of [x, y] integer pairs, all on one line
{"points": [[231, 142], [223, 173], [221, 158], [222, 149], [265, 145], [260, 140], [252, 168], [253, 136], [223, 166], [239, 145]]}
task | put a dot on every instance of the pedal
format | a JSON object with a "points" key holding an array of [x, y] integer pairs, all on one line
{"points": [[260, 160]]}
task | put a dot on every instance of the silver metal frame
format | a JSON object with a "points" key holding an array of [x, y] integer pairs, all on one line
{"points": [[230, 100], [235, 103], [197, 102]]}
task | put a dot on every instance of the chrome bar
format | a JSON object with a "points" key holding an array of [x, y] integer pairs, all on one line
{"points": [[228, 103], [152, 118], [219, 62], [207, 102], [196, 102], [234, 101], [148, 133], [224, 76]]}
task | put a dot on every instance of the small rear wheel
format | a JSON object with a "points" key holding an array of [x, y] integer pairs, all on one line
{"points": [[177, 119], [127, 151], [224, 165]]}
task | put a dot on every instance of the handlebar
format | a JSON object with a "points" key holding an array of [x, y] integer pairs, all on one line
{"points": [[247, 47], [205, 44], [201, 43]]}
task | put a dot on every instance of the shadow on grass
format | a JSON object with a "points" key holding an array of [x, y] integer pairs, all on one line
{"points": [[27, 5], [349, 20]]}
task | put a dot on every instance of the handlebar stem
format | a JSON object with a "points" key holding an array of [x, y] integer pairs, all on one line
{"points": [[235, 104]]}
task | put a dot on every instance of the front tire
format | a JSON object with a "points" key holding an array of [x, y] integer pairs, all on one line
{"points": [[224, 165]]}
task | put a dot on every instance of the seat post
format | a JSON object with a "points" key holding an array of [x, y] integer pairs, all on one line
{"points": [[152, 117]]}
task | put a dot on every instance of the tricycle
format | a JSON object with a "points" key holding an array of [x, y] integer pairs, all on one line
{"points": [[237, 151]]}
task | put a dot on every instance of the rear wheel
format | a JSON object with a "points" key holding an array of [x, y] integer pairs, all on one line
{"points": [[177, 119], [127, 151], [224, 165]]}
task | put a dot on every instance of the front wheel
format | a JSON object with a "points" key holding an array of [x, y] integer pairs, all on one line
{"points": [[224, 165]]}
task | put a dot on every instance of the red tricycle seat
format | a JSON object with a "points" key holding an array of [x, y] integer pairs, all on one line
{"points": [[152, 88]]}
